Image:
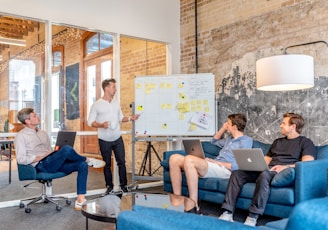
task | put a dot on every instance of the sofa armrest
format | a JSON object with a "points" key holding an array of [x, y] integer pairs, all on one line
{"points": [[311, 214], [310, 180]]}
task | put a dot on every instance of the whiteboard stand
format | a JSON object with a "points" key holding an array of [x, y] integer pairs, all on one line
{"points": [[147, 157], [156, 181]]}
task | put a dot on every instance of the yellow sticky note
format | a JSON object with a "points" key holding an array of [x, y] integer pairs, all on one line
{"points": [[192, 127], [140, 108], [182, 96], [164, 126]]}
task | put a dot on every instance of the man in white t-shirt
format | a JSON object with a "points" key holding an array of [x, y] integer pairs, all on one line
{"points": [[106, 115]]}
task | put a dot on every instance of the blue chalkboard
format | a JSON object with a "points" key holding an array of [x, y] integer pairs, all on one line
{"points": [[175, 105]]}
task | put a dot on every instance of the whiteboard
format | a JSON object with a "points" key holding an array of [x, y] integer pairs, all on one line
{"points": [[175, 105]]}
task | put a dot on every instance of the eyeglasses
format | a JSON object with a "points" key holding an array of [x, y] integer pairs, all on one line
{"points": [[33, 115]]}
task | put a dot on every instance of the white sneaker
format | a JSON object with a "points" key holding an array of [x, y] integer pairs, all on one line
{"points": [[96, 163], [250, 221], [78, 206], [226, 216]]}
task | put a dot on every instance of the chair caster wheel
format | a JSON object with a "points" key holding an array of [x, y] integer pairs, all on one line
{"points": [[28, 210], [68, 202], [21, 205], [58, 208]]}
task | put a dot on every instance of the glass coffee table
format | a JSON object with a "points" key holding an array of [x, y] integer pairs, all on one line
{"points": [[107, 208]]}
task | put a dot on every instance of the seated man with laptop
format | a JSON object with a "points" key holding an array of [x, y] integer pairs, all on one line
{"points": [[284, 153], [221, 167], [32, 146]]}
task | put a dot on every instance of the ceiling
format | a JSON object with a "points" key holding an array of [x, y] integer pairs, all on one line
{"points": [[15, 28]]}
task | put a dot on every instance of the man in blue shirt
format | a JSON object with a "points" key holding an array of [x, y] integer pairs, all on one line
{"points": [[220, 167]]}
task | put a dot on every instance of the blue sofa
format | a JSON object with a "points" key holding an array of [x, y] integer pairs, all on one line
{"points": [[311, 214], [310, 182]]}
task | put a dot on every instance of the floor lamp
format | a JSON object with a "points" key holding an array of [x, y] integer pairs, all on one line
{"points": [[286, 72]]}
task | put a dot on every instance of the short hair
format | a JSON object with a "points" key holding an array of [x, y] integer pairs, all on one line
{"points": [[239, 120], [24, 114], [106, 82], [296, 119]]}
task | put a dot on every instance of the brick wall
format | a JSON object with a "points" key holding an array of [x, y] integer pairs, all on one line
{"points": [[139, 58], [232, 35]]}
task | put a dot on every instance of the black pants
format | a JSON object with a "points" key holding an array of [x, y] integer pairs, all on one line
{"points": [[261, 194], [106, 149]]}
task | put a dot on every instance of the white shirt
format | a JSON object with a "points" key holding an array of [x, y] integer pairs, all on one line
{"points": [[102, 111], [30, 143]]}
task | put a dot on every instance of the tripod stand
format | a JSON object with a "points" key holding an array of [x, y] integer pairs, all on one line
{"points": [[146, 157]]}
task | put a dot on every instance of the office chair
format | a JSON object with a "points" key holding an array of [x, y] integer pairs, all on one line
{"points": [[28, 172]]}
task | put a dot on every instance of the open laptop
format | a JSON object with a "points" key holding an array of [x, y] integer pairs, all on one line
{"points": [[193, 147], [65, 138], [250, 159]]}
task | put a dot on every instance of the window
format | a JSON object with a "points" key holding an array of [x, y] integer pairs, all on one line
{"points": [[98, 42], [57, 58]]}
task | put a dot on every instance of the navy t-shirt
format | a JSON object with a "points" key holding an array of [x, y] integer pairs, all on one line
{"points": [[285, 151]]}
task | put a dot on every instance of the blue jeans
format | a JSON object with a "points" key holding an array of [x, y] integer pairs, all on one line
{"points": [[106, 148], [66, 160]]}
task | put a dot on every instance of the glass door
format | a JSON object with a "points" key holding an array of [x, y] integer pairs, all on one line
{"points": [[96, 70]]}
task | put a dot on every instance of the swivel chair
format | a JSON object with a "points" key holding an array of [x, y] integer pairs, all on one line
{"points": [[28, 172]]}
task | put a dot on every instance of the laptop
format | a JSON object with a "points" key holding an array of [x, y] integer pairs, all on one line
{"points": [[193, 147], [250, 159], [65, 138]]}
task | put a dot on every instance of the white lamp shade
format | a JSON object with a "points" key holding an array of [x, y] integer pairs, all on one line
{"points": [[285, 72]]}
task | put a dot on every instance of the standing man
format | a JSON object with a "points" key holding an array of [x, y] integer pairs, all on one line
{"points": [[220, 167], [32, 146], [284, 153], [106, 115]]}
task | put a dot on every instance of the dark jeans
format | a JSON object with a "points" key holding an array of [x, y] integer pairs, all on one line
{"points": [[261, 194], [106, 149], [66, 160]]}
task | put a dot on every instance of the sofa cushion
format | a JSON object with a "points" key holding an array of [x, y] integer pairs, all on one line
{"points": [[210, 150], [285, 178], [322, 152], [265, 147]]}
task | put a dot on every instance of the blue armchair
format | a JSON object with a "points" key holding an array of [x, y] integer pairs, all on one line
{"points": [[28, 172]]}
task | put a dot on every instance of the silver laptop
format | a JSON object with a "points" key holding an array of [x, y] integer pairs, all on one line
{"points": [[65, 138], [250, 159], [193, 147]]}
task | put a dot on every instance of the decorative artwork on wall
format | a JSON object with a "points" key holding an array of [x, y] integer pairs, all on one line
{"points": [[72, 92], [238, 93]]}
